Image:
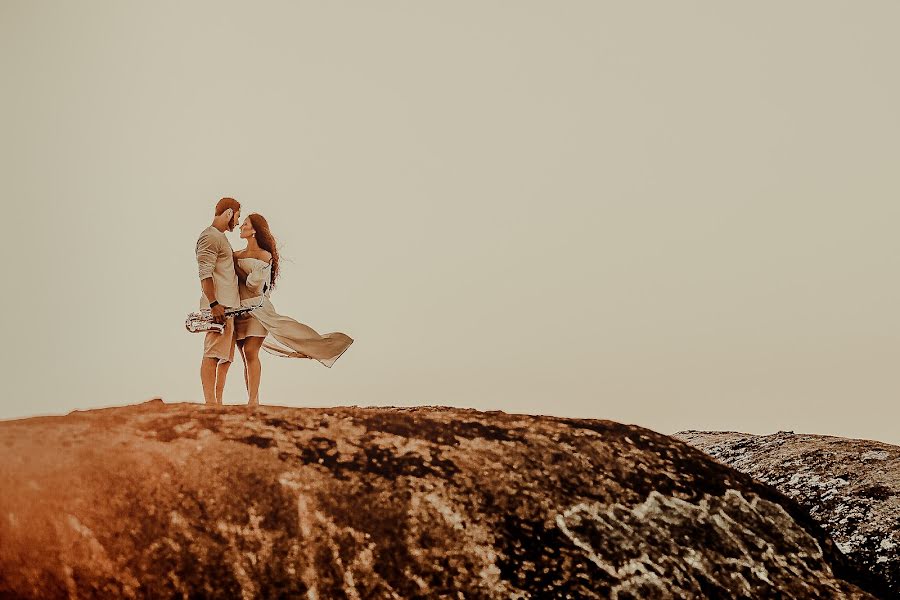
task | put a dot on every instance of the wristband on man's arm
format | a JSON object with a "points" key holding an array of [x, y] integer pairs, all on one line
{"points": [[214, 303]]}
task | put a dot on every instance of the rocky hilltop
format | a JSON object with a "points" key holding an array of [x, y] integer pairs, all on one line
{"points": [[190, 501], [851, 487]]}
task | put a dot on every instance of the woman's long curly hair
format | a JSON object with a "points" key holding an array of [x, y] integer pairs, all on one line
{"points": [[266, 241]]}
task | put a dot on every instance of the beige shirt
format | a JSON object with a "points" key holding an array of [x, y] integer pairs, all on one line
{"points": [[214, 259]]}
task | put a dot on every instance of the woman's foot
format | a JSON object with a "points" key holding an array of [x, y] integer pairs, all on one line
{"points": [[253, 402]]}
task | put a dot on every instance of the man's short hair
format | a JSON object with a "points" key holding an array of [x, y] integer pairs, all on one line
{"points": [[226, 203]]}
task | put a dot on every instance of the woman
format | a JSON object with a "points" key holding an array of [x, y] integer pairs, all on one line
{"points": [[257, 270]]}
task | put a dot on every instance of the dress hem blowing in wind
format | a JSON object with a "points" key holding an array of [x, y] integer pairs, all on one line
{"points": [[287, 337]]}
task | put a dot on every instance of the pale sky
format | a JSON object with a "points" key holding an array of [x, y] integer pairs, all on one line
{"points": [[680, 215]]}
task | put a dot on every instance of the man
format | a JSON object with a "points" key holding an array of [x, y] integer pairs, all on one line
{"points": [[220, 291]]}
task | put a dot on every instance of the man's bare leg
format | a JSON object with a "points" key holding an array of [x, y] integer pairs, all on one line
{"points": [[208, 379], [221, 373]]}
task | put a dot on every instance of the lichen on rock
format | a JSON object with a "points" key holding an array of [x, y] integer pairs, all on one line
{"points": [[187, 500], [850, 487]]}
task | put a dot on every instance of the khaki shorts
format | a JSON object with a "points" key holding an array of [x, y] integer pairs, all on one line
{"points": [[220, 345]]}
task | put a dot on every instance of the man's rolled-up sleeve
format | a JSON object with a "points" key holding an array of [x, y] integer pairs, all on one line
{"points": [[206, 255]]}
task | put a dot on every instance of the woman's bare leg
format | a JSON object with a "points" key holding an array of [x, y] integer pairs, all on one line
{"points": [[254, 367], [240, 348]]}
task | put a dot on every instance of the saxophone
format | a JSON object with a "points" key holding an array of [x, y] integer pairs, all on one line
{"points": [[201, 321]]}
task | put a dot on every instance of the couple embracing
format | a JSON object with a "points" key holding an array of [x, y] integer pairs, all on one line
{"points": [[241, 279]]}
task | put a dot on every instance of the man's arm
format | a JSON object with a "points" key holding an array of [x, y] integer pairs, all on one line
{"points": [[209, 288], [207, 252]]}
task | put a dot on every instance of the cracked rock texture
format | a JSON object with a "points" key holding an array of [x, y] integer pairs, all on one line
{"points": [[851, 487], [189, 501]]}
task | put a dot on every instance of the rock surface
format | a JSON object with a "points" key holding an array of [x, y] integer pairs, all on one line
{"points": [[191, 501], [851, 487]]}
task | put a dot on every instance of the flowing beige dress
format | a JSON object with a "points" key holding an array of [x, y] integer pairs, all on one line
{"points": [[285, 336]]}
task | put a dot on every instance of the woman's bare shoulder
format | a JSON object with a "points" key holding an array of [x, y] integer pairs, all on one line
{"points": [[263, 255], [260, 254]]}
